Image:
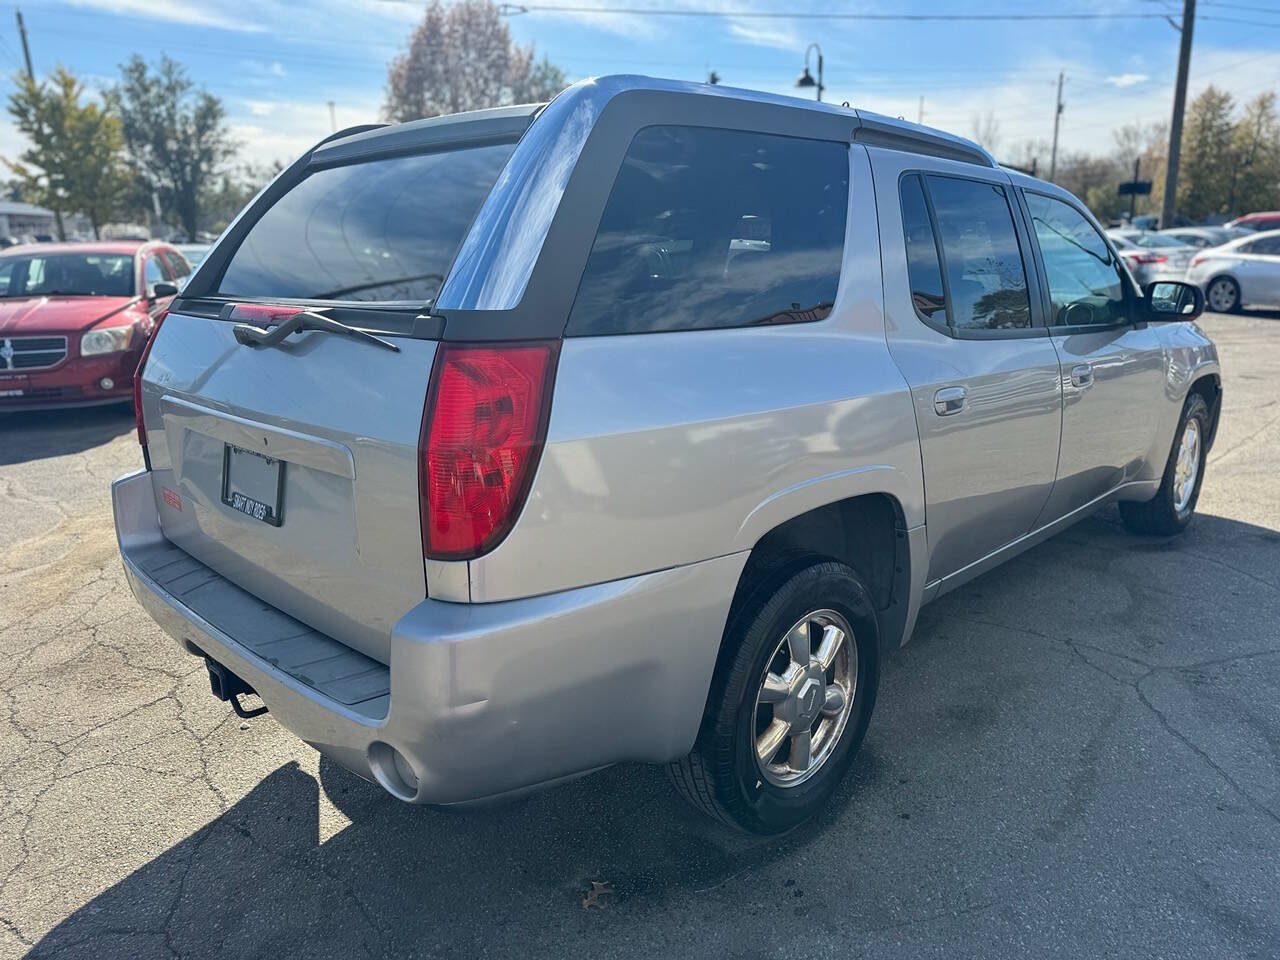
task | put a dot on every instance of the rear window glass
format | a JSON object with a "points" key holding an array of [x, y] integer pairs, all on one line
{"points": [[716, 228], [385, 230]]}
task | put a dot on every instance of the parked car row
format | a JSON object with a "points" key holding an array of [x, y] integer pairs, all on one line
{"points": [[1234, 265]]}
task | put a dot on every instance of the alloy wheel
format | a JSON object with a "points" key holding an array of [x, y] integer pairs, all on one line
{"points": [[805, 698], [1186, 467]]}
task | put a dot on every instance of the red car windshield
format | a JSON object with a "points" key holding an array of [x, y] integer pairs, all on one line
{"points": [[67, 274]]}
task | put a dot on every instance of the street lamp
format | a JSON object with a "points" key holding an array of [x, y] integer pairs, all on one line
{"points": [[806, 78]]}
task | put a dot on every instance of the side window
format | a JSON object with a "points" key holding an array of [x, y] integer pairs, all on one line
{"points": [[178, 265], [1268, 245], [716, 228], [986, 279], [923, 267], [152, 271], [1086, 283]]}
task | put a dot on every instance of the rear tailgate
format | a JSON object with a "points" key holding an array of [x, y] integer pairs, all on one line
{"points": [[290, 466], [340, 420]]}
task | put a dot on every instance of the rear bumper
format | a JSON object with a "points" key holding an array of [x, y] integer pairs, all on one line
{"points": [[487, 699]]}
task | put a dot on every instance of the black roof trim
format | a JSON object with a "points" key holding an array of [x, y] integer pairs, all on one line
{"points": [[480, 127]]}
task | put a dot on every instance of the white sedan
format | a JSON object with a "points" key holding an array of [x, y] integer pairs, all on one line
{"points": [[1242, 273]]}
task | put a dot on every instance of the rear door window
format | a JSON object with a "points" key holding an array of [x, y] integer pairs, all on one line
{"points": [[986, 278], [379, 231], [710, 228]]}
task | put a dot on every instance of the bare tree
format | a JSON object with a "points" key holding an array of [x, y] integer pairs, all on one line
{"points": [[986, 131], [462, 58]]}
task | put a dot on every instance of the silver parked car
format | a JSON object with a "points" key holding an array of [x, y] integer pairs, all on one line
{"points": [[1243, 273], [1170, 256], [634, 427]]}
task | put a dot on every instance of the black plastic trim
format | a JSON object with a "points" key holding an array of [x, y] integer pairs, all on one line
{"points": [[406, 320], [483, 127]]}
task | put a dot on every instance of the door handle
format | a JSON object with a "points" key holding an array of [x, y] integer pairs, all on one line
{"points": [[1082, 374], [949, 401]]}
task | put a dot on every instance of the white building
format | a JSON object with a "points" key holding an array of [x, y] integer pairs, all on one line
{"points": [[17, 219]]}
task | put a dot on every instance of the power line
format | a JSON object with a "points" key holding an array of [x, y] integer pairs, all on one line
{"points": [[1241, 6], [513, 9]]}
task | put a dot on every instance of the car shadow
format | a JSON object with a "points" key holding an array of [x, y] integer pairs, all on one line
{"points": [[37, 434], [280, 874]]}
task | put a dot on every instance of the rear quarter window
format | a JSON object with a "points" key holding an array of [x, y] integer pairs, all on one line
{"points": [[710, 228], [379, 231]]}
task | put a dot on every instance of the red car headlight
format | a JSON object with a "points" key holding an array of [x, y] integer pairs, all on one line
{"points": [[106, 340]]}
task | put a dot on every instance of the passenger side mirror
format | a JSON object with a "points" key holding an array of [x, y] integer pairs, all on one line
{"points": [[1173, 300], [161, 290]]}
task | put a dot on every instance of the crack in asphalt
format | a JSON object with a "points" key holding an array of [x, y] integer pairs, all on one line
{"points": [[1077, 647]]}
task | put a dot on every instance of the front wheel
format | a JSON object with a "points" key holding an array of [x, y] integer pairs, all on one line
{"points": [[790, 703], [1171, 509]]}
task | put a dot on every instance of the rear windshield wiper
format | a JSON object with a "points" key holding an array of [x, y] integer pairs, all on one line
{"points": [[252, 336]]}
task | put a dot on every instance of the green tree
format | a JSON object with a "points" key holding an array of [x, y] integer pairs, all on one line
{"points": [[232, 191], [1204, 178], [1255, 148], [461, 57], [73, 163], [176, 136]]}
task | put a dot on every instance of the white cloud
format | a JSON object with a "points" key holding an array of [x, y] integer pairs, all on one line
{"points": [[1128, 79], [172, 11], [779, 34], [294, 125]]}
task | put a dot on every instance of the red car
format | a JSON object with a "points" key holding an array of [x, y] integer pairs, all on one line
{"points": [[1258, 221], [74, 318]]}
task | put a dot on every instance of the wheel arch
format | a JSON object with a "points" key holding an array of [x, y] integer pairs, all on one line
{"points": [[867, 532], [1209, 386]]}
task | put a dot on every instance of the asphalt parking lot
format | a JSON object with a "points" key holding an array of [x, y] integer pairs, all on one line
{"points": [[1078, 755]]}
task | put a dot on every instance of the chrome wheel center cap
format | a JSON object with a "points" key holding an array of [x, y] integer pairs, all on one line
{"points": [[809, 699]]}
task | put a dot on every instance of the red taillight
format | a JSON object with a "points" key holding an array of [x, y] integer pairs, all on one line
{"points": [[259, 311], [1198, 259], [1152, 258], [482, 432], [137, 378]]}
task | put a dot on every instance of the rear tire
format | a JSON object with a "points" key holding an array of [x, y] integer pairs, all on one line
{"points": [[800, 654], [1171, 509], [1222, 295]]}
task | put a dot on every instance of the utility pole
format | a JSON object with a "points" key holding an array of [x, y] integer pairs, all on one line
{"points": [[920, 112], [26, 50], [31, 75], [1170, 208], [1057, 118]]}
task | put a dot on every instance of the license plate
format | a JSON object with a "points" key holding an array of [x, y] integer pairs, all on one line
{"points": [[253, 484]]}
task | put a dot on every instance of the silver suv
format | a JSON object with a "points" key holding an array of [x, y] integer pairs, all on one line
{"points": [[491, 449]]}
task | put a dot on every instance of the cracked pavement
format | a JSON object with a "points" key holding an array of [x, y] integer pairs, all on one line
{"points": [[1078, 755]]}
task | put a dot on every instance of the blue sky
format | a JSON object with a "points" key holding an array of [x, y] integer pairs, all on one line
{"points": [[277, 64]]}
